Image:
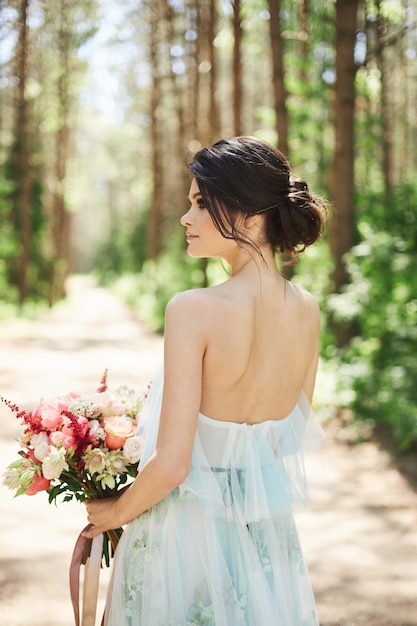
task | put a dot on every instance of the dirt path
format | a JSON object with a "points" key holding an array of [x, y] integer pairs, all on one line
{"points": [[359, 537]]}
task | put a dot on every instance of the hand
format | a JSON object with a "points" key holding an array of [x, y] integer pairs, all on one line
{"points": [[102, 516]]}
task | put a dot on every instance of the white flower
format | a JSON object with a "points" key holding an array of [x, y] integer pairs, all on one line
{"points": [[54, 464], [83, 406], [12, 477], [41, 447], [132, 449], [107, 481], [115, 463], [107, 404], [95, 460], [96, 431], [132, 401]]}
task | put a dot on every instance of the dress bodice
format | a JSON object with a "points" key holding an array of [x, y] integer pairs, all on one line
{"points": [[226, 443], [259, 467]]}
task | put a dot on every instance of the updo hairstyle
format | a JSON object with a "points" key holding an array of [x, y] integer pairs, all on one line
{"points": [[247, 175]]}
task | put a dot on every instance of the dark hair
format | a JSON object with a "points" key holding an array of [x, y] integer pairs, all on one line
{"points": [[248, 175]]}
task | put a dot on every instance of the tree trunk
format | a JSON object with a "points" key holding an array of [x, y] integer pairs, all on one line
{"points": [[60, 215], [405, 79], [208, 121], [342, 226], [213, 108], [386, 107], [237, 69], [208, 115], [177, 172], [194, 80], [280, 97], [23, 167], [303, 39], [154, 219], [280, 94]]}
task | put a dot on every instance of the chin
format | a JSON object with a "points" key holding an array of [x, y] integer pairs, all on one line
{"points": [[195, 255]]}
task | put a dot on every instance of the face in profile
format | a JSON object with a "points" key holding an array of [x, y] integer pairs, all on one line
{"points": [[203, 238]]}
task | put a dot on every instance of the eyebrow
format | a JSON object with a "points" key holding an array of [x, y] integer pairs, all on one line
{"points": [[195, 195]]}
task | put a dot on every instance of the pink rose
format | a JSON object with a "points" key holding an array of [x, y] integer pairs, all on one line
{"points": [[49, 417], [117, 430], [39, 483], [61, 403], [49, 413], [59, 437], [74, 431]]}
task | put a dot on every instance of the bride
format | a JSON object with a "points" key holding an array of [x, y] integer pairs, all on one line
{"points": [[210, 538]]}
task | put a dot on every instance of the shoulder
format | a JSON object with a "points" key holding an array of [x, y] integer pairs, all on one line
{"points": [[309, 301], [188, 302], [307, 304], [192, 311], [201, 301]]}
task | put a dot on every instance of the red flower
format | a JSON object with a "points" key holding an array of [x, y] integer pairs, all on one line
{"points": [[103, 383], [39, 483], [77, 427], [30, 454]]}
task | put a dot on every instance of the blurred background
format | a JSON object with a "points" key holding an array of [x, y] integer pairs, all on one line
{"points": [[102, 104]]}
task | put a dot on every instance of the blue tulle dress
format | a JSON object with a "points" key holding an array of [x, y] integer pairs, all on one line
{"points": [[221, 549]]}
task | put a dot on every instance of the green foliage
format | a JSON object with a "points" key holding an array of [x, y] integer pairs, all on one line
{"points": [[380, 366], [312, 273], [38, 270], [124, 250], [393, 11], [9, 247]]}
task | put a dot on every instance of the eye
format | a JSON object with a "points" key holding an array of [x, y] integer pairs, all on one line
{"points": [[200, 203]]}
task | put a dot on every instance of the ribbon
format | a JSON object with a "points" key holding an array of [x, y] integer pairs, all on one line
{"points": [[89, 552]]}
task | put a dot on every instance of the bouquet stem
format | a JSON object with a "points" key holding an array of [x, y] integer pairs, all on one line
{"points": [[110, 540]]}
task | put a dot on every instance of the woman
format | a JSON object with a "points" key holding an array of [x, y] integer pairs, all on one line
{"points": [[211, 539]]}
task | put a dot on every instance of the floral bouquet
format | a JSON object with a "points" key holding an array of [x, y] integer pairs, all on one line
{"points": [[79, 446]]}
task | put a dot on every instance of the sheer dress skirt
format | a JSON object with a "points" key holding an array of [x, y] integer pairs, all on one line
{"points": [[222, 549]]}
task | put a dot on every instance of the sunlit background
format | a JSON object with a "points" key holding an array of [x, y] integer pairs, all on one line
{"points": [[101, 105]]}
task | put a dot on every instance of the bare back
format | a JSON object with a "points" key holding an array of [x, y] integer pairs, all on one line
{"points": [[261, 351]]}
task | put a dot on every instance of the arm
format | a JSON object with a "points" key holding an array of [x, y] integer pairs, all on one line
{"points": [[185, 343]]}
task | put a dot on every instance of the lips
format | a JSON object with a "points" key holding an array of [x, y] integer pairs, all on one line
{"points": [[191, 236]]}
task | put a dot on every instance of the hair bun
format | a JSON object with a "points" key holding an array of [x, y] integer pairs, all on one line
{"points": [[300, 219], [301, 199], [297, 187]]}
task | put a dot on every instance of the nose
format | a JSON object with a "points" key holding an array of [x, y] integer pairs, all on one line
{"points": [[185, 220]]}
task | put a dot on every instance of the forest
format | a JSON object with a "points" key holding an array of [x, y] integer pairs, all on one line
{"points": [[103, 103]]}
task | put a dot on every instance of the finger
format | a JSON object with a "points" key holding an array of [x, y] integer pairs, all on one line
{"points": [[88, 530], [91, 531]]}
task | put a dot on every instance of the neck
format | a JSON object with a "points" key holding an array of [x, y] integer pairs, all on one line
{"points": [[247, 259]]}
